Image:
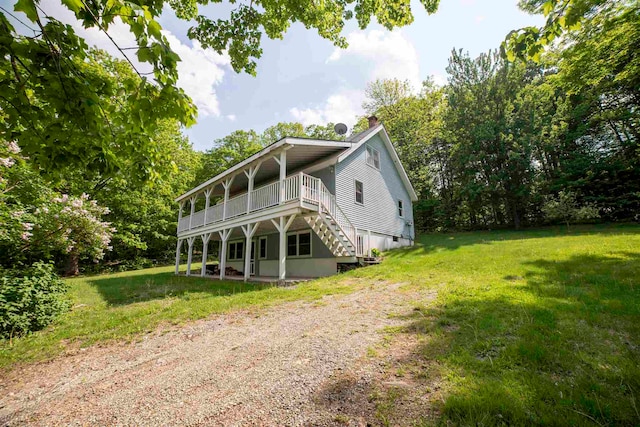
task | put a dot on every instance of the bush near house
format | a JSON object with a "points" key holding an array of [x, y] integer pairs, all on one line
{"points": [[30, 299]]}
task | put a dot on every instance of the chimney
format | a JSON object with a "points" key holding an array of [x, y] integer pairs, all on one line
{"points": [[373, 121]]}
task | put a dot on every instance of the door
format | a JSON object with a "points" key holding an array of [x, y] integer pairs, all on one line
{"points": [[252, 262]]}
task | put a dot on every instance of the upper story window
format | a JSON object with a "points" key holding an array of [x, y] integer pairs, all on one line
{"points": [[373, 157], [400, 208], [359, 192]]}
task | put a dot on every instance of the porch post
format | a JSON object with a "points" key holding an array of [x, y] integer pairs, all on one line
{"points": [[282, 161], [222, 262], [282, 227], [249, 230], [226, 184], [193, 208], [205, 250], [180, 213], [190, 241], [179, 246], [369, 242], [207, 197], [253, 170]]}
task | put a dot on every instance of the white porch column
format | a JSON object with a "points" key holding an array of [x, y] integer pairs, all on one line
{"points": [[179, 246], [282, 226], [190, 241], [251, 174], [180, 213], [226, 184], [222, 262], [249, 230], [205, 249], [282, 161], [369, 242], [207, 197], [192, 200]]}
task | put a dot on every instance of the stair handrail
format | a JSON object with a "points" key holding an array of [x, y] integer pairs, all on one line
{"points": [[328, 201]]}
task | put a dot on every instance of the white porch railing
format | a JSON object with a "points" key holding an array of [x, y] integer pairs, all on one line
{"points": [[309, 188]]}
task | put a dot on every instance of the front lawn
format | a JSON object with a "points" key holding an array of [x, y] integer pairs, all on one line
{"points": [[536, 327]]}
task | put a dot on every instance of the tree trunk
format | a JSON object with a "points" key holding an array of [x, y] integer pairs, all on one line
{"points": [[73, 264]]}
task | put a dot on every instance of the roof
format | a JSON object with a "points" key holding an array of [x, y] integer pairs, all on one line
{"points": [[300, 150], [362, 137]]}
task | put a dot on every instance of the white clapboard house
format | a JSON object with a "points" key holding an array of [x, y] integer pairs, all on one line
{"points": [[300, 207]]}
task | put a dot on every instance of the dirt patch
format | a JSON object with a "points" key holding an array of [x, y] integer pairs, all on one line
{"points": [[295, 364]]}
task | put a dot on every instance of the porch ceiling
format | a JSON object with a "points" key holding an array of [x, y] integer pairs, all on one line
{"points": [[265, 227], [301, 155]]}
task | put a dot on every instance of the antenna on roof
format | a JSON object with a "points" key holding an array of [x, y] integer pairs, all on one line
{"points": [[340, 128]]}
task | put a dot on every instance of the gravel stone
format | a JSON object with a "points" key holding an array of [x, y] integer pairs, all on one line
{"points": [[300, 363]]}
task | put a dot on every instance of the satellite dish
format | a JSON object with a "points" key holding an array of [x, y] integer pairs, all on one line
{"points": [[340, 128]]}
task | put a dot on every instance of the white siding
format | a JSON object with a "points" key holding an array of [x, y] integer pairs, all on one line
{"points": [[382, 189]]}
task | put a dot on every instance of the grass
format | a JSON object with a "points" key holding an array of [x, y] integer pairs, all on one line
{"points": [[538, 327], [528, 328]]}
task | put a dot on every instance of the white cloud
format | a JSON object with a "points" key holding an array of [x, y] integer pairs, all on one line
{"points": [[231, 117], [479, 18], [200, 70], [341, 107], [388, 54]]}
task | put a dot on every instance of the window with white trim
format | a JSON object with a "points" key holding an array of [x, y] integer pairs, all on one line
{"points": [[299, 244], [262, 247], [373, 157], [359, 192], [235, 251], [400, 208]]}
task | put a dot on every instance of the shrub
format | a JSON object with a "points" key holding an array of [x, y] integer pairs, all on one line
{"points": [[566, 208], [375, 252], [31, 299]]}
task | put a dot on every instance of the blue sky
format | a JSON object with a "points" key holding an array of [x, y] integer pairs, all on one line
{"points": [[304, 77]]}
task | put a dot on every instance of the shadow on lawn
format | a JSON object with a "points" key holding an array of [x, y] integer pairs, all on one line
{"points": [[432, 242], [560, 346], [144, 287]]}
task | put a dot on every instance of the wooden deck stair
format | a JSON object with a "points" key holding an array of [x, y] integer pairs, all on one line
{"points": [[331, 234]]}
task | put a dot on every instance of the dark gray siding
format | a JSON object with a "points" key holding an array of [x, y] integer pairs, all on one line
{"points": [[318, 249], [382, 190], [328, 177]]}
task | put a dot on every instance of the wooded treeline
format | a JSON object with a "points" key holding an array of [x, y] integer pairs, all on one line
{"points": [[496, 146]]}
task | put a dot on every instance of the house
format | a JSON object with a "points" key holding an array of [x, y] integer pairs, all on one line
{"points": [[300, 207]]}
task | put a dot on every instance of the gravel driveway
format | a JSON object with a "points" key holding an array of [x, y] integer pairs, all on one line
{"points": [[301, 363]]}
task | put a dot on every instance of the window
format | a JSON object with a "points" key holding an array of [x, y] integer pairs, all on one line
{"points": [[373, 157], [400, 209], [262, 248], [395, 238], [299, 244], [292, 245], [236, 251], [359, 193]]}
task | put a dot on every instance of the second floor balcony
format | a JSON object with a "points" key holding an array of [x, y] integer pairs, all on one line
{"points": [[297, 188]]}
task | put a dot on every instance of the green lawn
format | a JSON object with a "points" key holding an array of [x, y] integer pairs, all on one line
{"points": [[539, 327], [528, 328]]}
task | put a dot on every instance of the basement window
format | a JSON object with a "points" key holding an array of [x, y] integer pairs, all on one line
{"points": [[299, 244], [262, 248], [236, 251]]}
